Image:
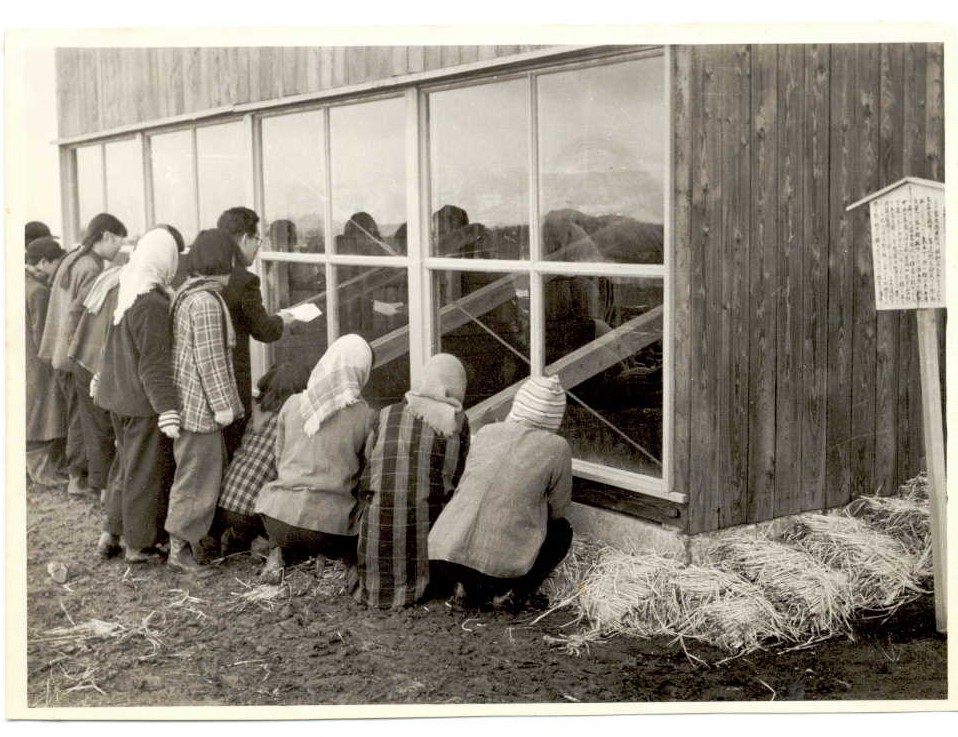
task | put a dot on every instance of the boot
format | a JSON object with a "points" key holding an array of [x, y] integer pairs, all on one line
{"points": [[272, 572], [181, 557]]}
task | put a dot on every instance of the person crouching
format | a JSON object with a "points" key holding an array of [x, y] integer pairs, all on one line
{"points": [[203, 342], [504, 530], [312, 508]]}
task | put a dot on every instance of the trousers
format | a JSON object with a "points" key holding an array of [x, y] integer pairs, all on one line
{"points": [[98, 435], [200, 458], [76, 447]]}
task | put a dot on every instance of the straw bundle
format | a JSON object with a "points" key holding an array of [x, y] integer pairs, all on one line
{"points": [[811, 599], [737, 624], [881, 573], [905, 518], [566, 583], [916, 488]]}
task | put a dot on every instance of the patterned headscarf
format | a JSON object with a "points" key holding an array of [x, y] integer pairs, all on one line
{"points": [[540, 403], [152, 264], [437, 397], [337, 381]]}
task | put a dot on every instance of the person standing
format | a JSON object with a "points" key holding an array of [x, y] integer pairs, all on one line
{"points": [[203, 340], [102, 240], [247, 312], [135, 385], [46, 411]]}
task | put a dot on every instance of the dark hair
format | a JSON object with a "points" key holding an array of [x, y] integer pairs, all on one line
{"points": [[33, 230], [212, 253], [45, 248], [238, 221], [95, 230], [177, 236], [283, 380]]}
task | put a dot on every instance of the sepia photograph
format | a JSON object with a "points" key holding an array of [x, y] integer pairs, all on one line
{"points": [[606, 370]]}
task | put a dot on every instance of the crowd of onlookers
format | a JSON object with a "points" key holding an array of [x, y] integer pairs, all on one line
{"points": [[140, 398]]}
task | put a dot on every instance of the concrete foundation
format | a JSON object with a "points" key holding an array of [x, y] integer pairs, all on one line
{"points": [[634, 535]]}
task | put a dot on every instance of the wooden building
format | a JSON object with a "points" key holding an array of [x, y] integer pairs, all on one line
{"points": [[665, 228]]}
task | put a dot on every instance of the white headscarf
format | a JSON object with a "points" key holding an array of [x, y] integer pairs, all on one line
{"points": [[437, 398], [152, 264], [337, 381]]}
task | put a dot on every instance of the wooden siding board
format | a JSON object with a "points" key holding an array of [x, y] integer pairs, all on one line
{"points": [[788, 439], [415, 59], [764, 283], [890, 170], [339, 66], [864, 330], [815, 276], [842, 192], [935, 113], [356, 64], [706, 239], [682, 135], [433, 57], [910, 427]]}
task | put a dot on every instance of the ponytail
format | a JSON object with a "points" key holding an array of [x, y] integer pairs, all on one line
{"points": [[100, 224]]}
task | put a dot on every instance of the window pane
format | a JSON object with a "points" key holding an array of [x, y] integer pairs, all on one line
{"points": [[602, 162], [224, 170], [290, 284], [374, 303], [89, 183], [173, 186], [483, 321], [369, 177], [604, 339], [124, 183], [479, 158], [293, 182]]}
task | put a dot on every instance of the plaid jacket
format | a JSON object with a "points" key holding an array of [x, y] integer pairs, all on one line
{"points": [[202, 364], [253, 466]]}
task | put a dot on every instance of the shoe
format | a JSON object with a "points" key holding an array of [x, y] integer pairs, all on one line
{"points": [[77, 487], [144, 555], [321, 561], [208, 550], [273, 570], [181, 557], [108, 546], [458, 599], [504, 602]]}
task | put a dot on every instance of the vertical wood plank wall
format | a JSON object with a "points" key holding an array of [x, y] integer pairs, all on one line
{"points": [[100, 89], [792, 393]]}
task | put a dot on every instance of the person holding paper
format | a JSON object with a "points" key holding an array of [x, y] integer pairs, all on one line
{"points": [[249, 317]]}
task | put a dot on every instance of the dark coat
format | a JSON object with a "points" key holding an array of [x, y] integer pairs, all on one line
{"points": [[250, 319], [136, 376], [46, 407]]}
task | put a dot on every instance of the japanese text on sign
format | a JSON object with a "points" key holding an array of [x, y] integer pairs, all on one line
{"points": [[908, 236]]}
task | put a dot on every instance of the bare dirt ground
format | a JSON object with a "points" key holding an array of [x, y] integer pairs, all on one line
{"points": [[167, 640]]}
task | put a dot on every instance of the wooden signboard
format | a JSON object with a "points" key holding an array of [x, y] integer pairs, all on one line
{"points": [[908, 248]]}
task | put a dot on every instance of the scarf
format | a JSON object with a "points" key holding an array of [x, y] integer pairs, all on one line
{"points": [[104, 283], [204, 284], [336, 381], [437, 397], [152, 264]]}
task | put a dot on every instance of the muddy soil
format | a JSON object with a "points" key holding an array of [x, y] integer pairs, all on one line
{"points": [[169, 640]]}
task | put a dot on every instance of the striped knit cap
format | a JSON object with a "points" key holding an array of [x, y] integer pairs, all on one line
{"points": [[540, 402]]}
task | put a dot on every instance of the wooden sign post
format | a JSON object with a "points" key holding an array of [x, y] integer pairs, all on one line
{"points": [[908, 248]]}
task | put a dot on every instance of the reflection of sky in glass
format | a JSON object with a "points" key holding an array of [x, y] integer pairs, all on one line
{"points": [[294, 185], [124, 183], [368, 163], [173, 203], [89, 183], [480, 152], [602, 140], [224, 170]]}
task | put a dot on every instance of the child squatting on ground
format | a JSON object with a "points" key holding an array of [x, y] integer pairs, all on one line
{"points": [[504, 530], [203, 341], [312, 508]]}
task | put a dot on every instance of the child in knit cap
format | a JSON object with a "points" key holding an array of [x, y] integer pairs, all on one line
{"points": [[505, 530]]}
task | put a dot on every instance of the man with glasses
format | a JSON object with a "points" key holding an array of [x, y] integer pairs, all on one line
{"points": [[249, 316]]}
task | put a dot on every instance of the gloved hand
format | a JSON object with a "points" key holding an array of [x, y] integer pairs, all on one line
{"points": [[169, 423], [224, 417]]}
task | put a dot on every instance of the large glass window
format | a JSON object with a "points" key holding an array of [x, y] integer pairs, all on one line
{"points": [[479, 171], [368, 167], [124, 183], [174, 187], [89, 183], [602, 162], [223, 165], [294, 185]]}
